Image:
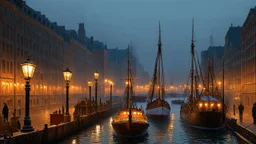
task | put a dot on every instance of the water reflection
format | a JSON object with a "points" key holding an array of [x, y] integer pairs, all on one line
{"points": [[172, 130], [132, 140]]}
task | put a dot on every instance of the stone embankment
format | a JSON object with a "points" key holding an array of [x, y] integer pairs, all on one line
{"points": [[243, 133], [55, 133]]}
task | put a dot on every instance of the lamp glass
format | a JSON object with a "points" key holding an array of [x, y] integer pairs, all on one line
{"points": [[67, 75], [28, 69], [96, 75], [89, 83]]}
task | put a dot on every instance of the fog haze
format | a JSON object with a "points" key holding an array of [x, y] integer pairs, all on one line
{"points": [[118, 22]]}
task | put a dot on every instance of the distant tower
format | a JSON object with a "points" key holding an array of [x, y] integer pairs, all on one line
{"points": [[211, 40], [81, 32]]}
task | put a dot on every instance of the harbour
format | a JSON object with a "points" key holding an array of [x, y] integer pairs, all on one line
{"points": [[174, 130], [127, 76]]}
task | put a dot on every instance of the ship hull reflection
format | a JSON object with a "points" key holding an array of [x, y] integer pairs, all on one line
{"points": [[134, 130], [209, 120]]}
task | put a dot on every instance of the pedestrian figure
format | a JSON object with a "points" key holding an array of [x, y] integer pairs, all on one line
{"points": [[234, 109], [254, 113], [241, 111], [5, 112]]}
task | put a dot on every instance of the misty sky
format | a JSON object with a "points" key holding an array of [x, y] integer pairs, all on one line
{"points": [[118, 22]]}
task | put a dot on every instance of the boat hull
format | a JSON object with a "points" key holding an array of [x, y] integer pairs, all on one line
{"points": [[134, 130], [158, 112], [209, 120], [158, 109]]}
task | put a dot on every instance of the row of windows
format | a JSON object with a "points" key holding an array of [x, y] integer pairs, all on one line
{"points": [[7, 31], [7, 67], [6, 48]]}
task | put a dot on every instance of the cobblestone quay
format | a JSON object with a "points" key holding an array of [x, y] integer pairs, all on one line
{"points": [[55, 133]]}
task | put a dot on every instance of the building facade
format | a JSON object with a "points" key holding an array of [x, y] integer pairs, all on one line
{"points": [[214, 53], [232, 56], [26, 32], [248, 57]]}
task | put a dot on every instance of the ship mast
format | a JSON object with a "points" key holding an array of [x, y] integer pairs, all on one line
{"points": [[129, 84], [159, 63], [192, 63]]}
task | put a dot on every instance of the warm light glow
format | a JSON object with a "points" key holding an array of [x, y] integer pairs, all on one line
{"points": [[96, 75], [106, 80], [219, 83], [206, 104], [126, 82], [67, 75], [200, 86], [212, 105], [200, 104], [89, 83], [3, 83], [134, 113], [28, 69], [218, 105]]}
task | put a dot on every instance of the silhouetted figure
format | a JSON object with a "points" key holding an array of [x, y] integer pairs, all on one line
{"points": [[254, 113], [241, 111], [234, 109], [63, 109], [5, 112]]}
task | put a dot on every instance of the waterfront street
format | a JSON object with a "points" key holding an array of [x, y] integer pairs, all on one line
{"points": [[172, 131], [247, 121], [41, 116]]}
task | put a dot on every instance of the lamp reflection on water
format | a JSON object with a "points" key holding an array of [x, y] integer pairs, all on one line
{"points": [[171, 126], [74, 141], [97, 132]]}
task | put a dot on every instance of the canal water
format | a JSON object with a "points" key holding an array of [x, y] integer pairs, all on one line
{"points": [[172, 131]]}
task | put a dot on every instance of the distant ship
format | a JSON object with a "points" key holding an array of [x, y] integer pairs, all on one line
{"points": [[130, 121], [205, 110], [158, 108]]}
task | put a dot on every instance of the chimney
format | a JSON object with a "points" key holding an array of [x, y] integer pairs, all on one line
{"points": [[81, 32]]}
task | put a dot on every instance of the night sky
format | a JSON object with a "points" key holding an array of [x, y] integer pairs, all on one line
{"points": [[118, 22]]}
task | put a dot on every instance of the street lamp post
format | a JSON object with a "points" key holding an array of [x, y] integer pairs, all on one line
{"points": [[28, 69], [110, 93], [90, 95], [96, 77], [67, 77]]}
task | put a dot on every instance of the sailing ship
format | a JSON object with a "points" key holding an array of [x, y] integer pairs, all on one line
{"points": [[130, 121], [158, 108], [203, 111]]}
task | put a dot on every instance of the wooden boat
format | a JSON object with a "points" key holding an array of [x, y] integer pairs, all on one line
{"points": [[205, 110], [130, 121], [158, 108]]}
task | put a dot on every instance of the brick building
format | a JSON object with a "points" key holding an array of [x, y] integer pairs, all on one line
{"points": [[26, 32], [248, 56], [232, 55]]}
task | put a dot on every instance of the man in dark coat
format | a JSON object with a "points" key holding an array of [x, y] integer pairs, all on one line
{"points": [[241, 110], [254, 113], [5, 112]]}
